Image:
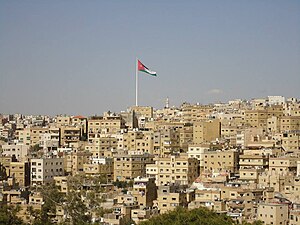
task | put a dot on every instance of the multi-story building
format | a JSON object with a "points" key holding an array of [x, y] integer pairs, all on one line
{"points": [[283, 165], [23, 136], [131, 164], [20, 171], [290, 123], [273, 213], [44, 170], [107, 124], [169, 197], [20, 151], [35, 135], [69, 134], [166, 141], [144, 191], [251, 166], [192, 113], [206, 131], [102, 147], [197, 151], [100, 167], [291, 141], [74, 161], [174, 169], [226, 161]]}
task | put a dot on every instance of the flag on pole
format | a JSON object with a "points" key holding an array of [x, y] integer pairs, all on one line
{"points": [[143, 68]]}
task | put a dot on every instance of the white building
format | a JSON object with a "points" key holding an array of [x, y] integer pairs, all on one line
{"points": [[276, 100]]}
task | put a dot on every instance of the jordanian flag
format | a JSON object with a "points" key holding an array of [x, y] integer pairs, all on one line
{"points": [[143, 68]]}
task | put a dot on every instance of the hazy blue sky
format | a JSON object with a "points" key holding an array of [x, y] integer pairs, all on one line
{"points": [[78, 57]]}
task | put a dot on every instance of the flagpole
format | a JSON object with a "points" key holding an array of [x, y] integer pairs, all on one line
{"points": [[136, 82]]}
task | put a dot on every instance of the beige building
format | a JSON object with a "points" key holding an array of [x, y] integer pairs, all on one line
{"points": [[185, 137], [74, 161], [102, 147], [20, 171], [197, 151], [259, 118], [100, 167], [251, 166], [273, 213], [290, 123], [139, 141], [69, 135], [283, 165], [174, 169], [35, 133], [107, 124], [169, 197], [206, 131], [291, 141], [166, 141], [217, 161], [144, 191], [275, 180], [20, 151], [192, 113], [62, 183], [23, 135], [131, 164]]}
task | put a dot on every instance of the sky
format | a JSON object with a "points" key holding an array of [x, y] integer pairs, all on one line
{"points": [[78, 57]]}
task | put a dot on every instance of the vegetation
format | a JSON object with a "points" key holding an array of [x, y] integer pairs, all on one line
{"points": [[183, 216], [8, 215]]}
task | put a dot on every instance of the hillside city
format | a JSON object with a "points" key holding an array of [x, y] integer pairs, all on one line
{"points": [[240, 159]]}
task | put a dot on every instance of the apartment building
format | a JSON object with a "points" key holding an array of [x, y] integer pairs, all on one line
{"points": [[291, 141], [171, 196], [74, 161], [108, 124], [35, 134], [69, 135], [102, 147], [100, 167], [283, 165], [192, 113], [251, 166], [136, 140], [206, 131], [174, 169], [166, 141], [19, 151], [130, 164], [273, 213], [44, 170], [185, 137], [20, 171], [217, 161], [197, 151], [23, 136], [144, 191], [290, 123]]}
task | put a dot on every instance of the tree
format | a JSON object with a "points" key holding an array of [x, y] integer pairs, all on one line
{"points": [[183, 216], [8, 215]]}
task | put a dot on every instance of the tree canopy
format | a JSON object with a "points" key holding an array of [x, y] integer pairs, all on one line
{"points": [[183, 216]]}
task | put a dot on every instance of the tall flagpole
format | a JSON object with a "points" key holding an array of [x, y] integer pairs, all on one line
{"points": [[136, 82]]}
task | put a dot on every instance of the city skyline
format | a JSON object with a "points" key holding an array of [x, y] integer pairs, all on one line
{"points": [[79, 58]]}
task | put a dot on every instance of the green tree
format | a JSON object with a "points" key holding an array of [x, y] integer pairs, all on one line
{"points": [[8, 215], [183, 216]]}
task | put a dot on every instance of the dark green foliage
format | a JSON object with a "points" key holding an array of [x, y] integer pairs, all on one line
{"points": [[8, 215], [123, 184], [182, 216]]}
